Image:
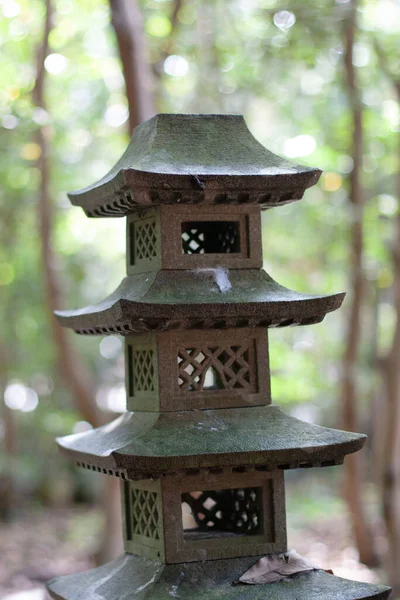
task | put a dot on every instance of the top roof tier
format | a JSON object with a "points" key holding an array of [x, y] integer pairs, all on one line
{"points": [[191, 159]]}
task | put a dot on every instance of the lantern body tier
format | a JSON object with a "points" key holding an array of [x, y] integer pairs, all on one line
{"points": [[200, 451]]}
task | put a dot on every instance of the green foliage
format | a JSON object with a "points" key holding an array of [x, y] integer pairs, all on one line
{"points": [[279, 64]]}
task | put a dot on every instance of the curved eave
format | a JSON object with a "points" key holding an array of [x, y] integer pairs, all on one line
{"points": [[131, 577], [195, 158], [131, 189], [144, 443], [166, 300]]}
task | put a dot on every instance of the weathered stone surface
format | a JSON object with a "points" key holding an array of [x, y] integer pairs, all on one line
{"points": [[163, 300], [140, 443], [245, 516], [214, 454], [227, 368], [136, 578], [193, 237], [195, 158]]}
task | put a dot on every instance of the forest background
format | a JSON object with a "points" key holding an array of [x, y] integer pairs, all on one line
{"points": [[318, 82]]}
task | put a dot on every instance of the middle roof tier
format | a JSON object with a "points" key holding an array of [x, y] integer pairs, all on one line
{"points": [[139, 445], [199, 299]]}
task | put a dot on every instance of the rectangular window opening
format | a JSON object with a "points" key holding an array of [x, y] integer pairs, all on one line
{"points": [[219, 514], [210, 237]]}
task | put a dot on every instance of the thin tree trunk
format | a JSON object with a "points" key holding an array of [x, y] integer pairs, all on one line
{"points": [[76, 377], [391, 448], [390, 370], [354, 466], [127, 21]]}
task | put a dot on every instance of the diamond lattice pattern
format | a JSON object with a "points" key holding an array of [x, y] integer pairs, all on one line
{"points": [[143, 371], [237, 510], [145, 240], [206, 368], [145, 516], [204, 237]]}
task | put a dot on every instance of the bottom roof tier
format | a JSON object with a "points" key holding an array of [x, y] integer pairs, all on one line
{"points": [[138, 445], [136, 578]]}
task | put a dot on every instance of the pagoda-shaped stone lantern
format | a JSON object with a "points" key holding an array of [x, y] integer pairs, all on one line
{"points": [[200, 451]]}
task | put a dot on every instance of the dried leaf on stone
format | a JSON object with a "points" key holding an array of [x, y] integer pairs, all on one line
{"points": [[276, 567]]}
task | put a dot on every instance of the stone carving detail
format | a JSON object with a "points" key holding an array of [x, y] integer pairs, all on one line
{"points": [[144, 239], [144, 514], [197, 369], [141, 367], [206, 368]]}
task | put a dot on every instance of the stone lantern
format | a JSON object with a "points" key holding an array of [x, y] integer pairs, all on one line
{"points": [[201, 451]]}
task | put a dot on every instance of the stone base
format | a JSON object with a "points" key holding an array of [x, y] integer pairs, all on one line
{"points": [[131, 577]]}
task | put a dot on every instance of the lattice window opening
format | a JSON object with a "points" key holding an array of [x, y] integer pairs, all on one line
{"points": [[222, 513], [143, 241], [211, 237], [214, 368], [144, 514], [141, 371]]}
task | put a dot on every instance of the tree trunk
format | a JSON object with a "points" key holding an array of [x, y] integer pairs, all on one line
{"points": [[391, 455], [76, 377], [112, 545], [72, 368], [354, 468], [128, 25], [390, 370]]}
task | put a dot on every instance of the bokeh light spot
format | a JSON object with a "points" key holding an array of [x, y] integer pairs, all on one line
{"points": [[361, 55], [387, 204], [110, 346], [158, 26], [19, 397], [331, 181], [81, 426], [116, 115], [13, 93], [9, 121], [40, 116], [55, 63], [11, 9], [345, 163], [176, 66], [279, 41], [301, 145], [30, 151], [284, 19]]}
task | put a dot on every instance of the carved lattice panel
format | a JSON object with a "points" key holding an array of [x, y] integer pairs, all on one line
{"points": [[142, 374], [145, 239], [143, 371], [222, 512], [213, 368], [145, 517], [166, 371], [210, 237]]}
